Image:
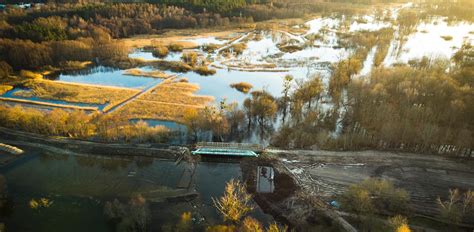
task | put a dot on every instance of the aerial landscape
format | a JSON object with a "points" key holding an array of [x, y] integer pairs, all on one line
{"points": [[237, 115]]}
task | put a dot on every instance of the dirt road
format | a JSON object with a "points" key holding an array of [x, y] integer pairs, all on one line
{"points": [[426, 177]]}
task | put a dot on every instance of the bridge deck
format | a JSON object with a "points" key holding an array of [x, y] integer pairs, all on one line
{"points": [[246, 146], [227, 149]]}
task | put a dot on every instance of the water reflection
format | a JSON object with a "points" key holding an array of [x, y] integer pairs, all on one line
{"points": [[106, 76], [13, 94], [79, 186]]}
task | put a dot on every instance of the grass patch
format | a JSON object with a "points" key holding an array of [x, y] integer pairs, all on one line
{"points": [[290, 48], [169, 101], [447, 37], [175, 47], [30, 75], [141, 73], [380, 54], [190, 58], [237, 48], [243, 87], [160, 51], [5, 88], [204, 71], [210, 48], [77, 93], [75, 65], [175, 66]]}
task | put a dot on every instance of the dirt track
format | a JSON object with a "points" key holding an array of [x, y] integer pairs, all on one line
{"points": [[327, 174]]}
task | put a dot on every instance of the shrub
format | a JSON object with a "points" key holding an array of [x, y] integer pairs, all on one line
{"points": [[456, 206], [160, 51], [74, 65], [205, 71], [190, 58], [30, 75], [235, 203], [398, 223], [374, 195], [210, 48], [243, 87], [239, 48], [250, 224], [175, 66], [447, 37], [5, 88], [5, 70], [290, 48], [175, 47]]}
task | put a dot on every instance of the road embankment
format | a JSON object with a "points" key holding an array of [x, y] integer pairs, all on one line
{"points": [[73, 146]]}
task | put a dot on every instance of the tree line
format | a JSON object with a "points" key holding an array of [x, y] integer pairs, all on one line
{"points": [[79, 124], [417, 107]]}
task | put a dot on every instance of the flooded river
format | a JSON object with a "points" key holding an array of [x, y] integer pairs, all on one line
{"points": [[264, 64], [79, 186]]}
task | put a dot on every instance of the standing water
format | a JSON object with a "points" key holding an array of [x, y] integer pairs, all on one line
{"points": [[77, 188]]}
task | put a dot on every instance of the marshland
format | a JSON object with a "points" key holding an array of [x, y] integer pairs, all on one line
{"points": [[364, 110]]}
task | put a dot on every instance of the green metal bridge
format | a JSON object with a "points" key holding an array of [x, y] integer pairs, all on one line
{"points": [[228, 149]]}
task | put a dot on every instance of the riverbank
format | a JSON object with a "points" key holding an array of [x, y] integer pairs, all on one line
{"points": [[325, 175], [73, 146], [305, 180]]}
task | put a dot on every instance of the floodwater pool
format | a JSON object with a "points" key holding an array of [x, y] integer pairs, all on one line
{"points": [[79, 186]]}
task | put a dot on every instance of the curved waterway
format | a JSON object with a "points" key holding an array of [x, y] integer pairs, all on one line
{"points": [[106, 76], [11, 94], [80, 186]]}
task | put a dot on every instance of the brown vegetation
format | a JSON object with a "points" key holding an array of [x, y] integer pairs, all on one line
{"points": [[210, 48], [77, 92], [243, 87], [235, 203], [175, 47], [160, 51], [290, 48], [5, 88], [190, 58], [447, 37], [204, 70], [457, 206], [175, 66], [138, 72], [169, 101], [77, 124], [237, 49]]}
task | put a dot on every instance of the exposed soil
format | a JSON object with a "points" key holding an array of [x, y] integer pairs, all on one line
{"points": [[326, 174], [287, 204]]}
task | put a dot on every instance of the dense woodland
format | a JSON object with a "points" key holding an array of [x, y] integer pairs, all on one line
{"points": [[417, 107], [80, 31]]}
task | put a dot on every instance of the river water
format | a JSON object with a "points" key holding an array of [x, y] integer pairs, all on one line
{"points": [[79, 186]]}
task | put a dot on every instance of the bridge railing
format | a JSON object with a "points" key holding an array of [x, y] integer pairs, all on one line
{"points": [[238, 146]]}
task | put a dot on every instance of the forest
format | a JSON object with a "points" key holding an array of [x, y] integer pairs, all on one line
{"points": [[416, 107]]}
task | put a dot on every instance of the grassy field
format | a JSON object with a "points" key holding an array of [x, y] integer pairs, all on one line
{"points": [[179, 37], [81, 93], [5, 88], [169, 101], [138, 72]]}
